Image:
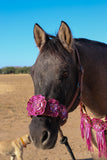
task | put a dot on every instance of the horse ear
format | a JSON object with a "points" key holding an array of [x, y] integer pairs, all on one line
{"points": [[65, 36], [39, 36]]}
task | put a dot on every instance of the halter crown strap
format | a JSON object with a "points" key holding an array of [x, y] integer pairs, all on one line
{"points": [[22, 141], [79, 84]]}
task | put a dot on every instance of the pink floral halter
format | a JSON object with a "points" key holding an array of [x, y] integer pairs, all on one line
{"points": [[38, 105], [99, 126]]}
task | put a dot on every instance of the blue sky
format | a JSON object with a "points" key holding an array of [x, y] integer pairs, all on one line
{"points": [[86, 18]]}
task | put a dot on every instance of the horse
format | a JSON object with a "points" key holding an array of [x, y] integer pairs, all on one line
{"points": [[56, 73]]}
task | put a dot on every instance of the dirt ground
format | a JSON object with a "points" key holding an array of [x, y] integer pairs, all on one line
{"points": [[15, 91]]}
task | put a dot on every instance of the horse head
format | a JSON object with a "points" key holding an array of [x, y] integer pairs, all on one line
{"points": [[55, 75]]}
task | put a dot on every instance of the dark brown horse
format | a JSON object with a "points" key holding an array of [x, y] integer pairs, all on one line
{"points": [[55, 75]]}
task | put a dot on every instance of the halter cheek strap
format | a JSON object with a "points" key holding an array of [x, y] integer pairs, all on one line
{"points": [[79, 84]]}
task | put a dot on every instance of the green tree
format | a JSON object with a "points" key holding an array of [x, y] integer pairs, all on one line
{"points": [[8, 70]]}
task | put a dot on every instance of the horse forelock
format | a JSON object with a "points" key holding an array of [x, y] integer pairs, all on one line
{"points": [[54, 47]]}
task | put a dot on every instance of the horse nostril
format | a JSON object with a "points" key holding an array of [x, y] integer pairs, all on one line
{"points": [[45, 137]]}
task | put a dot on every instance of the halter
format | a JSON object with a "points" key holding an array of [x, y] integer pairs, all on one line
{"points": [[54, 109], [39, 105], [79, 83]]}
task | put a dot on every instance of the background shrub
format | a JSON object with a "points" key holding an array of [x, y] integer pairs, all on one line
{"points": [[14, 70]]}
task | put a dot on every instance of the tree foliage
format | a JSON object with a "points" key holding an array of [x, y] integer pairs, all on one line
{"points": [[14, 70]]}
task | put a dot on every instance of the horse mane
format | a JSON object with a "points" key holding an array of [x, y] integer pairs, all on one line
{"points": [[50, 36], [54, 47], [90, 42]]}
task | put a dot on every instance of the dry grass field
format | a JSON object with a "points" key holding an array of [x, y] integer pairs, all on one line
{"points": [[15, 91]]}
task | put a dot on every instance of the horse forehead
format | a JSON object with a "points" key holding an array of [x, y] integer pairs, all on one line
{"points": [[50, 70], [49, 63]]}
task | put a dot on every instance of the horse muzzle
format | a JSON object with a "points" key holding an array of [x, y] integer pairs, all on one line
{"points": [[43, 132]]}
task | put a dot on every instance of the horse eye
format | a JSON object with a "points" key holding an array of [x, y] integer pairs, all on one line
{"points": [[65, 74]]}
